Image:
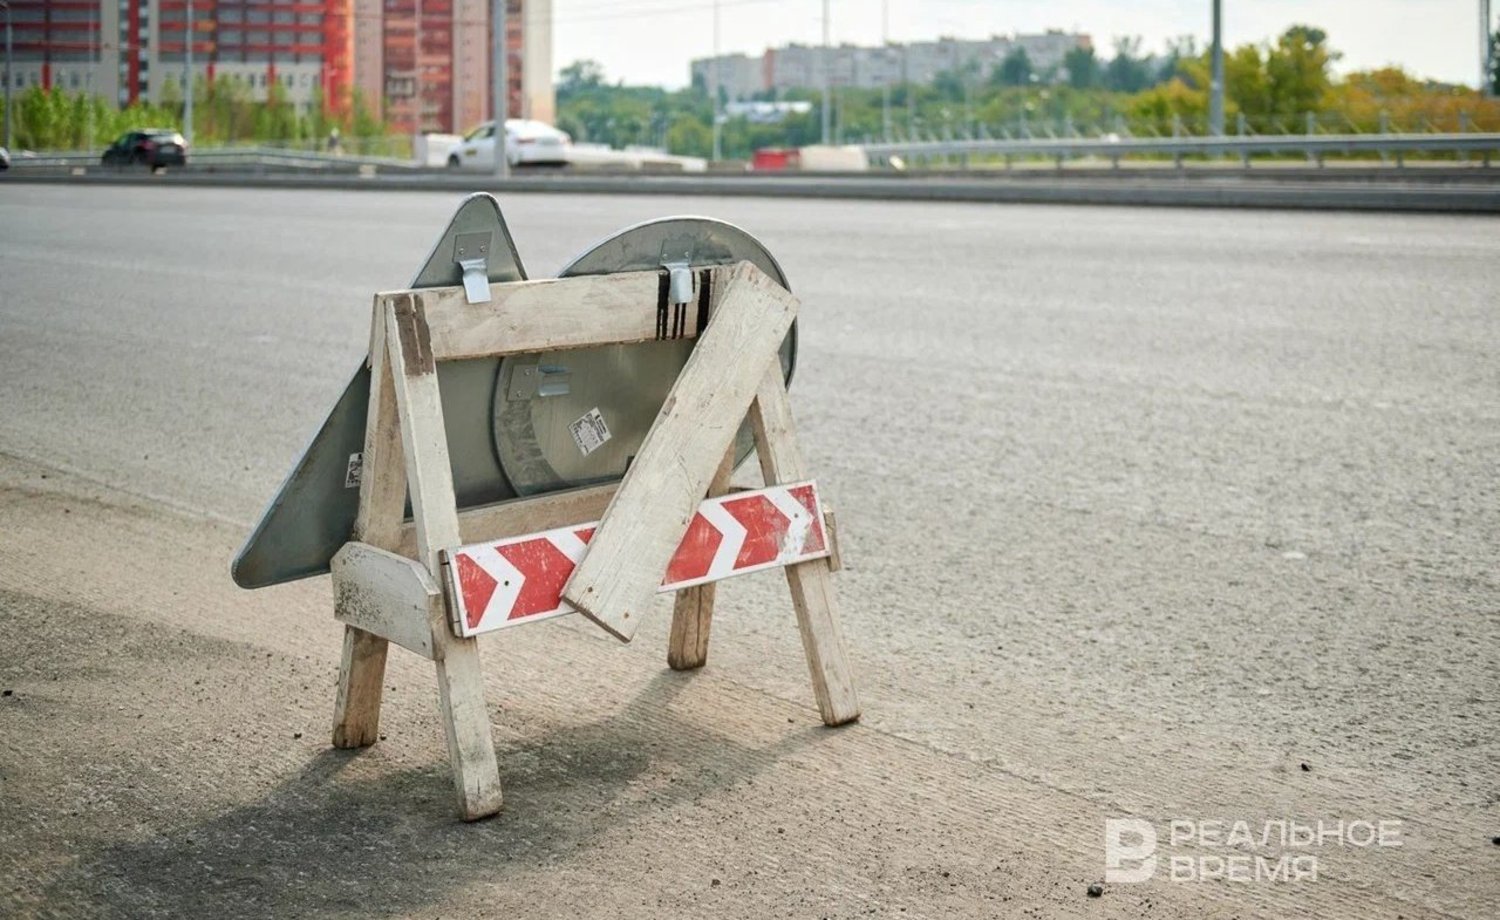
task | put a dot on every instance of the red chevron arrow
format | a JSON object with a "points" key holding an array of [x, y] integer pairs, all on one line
{"points": [[520, 579]]}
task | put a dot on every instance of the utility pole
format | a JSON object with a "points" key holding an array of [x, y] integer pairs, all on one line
{"points": [[1216, 100], [500, 77], [1486, 49], [714, 91], [88, 87], [187, 93], [827, 80], [885, 82], [9, 76]]}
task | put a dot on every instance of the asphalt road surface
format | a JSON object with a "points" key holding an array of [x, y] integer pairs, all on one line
{"points": [[1154, 514]]}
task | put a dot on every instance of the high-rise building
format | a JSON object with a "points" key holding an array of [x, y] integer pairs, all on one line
{"points": [[423, 64], [426, 63], [137, 49]]}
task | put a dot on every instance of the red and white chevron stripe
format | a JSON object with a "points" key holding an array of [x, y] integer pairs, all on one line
{"points": [[520, 580]]}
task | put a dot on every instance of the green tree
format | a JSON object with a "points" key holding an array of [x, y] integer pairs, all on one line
{"points": [[1015, 70], [1128, 71], [579, 76], [1297, 70], [1083, 68], [687, 136], [1179, 49]]}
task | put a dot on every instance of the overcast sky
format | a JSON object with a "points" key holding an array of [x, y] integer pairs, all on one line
{"points": [[651, 41]]}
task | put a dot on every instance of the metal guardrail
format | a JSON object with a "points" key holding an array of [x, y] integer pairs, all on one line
{"points": [[225, 156], [1314, 146]]}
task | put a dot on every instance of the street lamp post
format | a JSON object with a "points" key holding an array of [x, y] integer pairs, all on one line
{"points": [[885, 75], [1216, 101], [188, 90], [714, 92], [499, 55], [9, 75], [1486, 49], [827, 80]]}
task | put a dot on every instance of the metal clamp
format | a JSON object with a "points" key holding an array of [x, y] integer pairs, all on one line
{"points": [[472, 251]]}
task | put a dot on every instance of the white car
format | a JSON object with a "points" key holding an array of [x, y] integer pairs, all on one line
{"points": [[525, 142]]}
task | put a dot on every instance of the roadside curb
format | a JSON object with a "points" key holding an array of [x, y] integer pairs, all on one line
{"points": [[1334, 194]]}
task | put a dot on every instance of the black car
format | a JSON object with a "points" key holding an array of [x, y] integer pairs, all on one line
{"points": [[150, 148]]}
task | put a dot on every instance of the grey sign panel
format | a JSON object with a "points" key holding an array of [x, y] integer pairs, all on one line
{"points": [[524, 425], [540, 400], [313, 511]]}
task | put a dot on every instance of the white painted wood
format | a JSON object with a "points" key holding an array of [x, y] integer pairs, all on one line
{"points": [[693, 608], [521, 516], [356, 719], [549, 315], [615, 582], [831, 528], [501, 592], [466, 723], [387, 595], [382, 500], [811, 583]]}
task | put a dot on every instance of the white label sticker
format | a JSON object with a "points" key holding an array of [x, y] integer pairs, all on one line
{"points": [[590, 432], [353, 470]]}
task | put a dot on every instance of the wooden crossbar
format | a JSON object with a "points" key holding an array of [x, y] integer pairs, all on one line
{"points": [[389, 580], [554, 315]]}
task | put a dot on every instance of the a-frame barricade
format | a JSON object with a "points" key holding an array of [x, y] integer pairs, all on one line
{"points": [[432, 585]]}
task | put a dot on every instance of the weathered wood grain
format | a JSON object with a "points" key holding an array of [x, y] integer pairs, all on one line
{"points": [[693, 608], [466, 723], [618, 577], [811, 583]]}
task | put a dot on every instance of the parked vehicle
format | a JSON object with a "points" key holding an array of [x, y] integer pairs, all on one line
{"points": [[4, 158], [153, 148], [526, 142]]}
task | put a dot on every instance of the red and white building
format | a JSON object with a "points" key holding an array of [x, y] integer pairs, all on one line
{"points": [[423, 63]]}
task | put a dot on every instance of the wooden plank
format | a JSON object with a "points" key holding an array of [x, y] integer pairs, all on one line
{"points": [[693, 608], [361, 675], [466, 723], [521, 516], [382, 502], [387, 595], [831, 527], [547, 315], [811, 583], [643, 525], [498, 584]]}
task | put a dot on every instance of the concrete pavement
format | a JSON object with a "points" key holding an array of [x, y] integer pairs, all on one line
{"points": [[1144, 511]]}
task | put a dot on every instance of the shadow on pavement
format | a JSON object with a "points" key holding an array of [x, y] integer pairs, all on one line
{"points": [[320, 844]]}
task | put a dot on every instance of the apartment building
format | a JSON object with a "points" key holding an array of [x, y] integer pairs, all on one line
{"points": [[137, 49], [425, 64], [805, 66]]}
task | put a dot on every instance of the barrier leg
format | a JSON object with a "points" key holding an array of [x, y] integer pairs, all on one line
{"points": [[466, 725], [382, 502], [693, 608], [811, 583], [356, 713], [429, 477]]}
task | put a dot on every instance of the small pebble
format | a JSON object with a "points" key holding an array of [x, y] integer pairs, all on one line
{"points": [[1096, 890]]}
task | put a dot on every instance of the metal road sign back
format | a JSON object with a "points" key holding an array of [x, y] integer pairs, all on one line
{"points": [[516, 426]]}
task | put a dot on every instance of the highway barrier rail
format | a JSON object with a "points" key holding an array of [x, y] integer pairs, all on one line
{"points": [[1315, 147]]}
